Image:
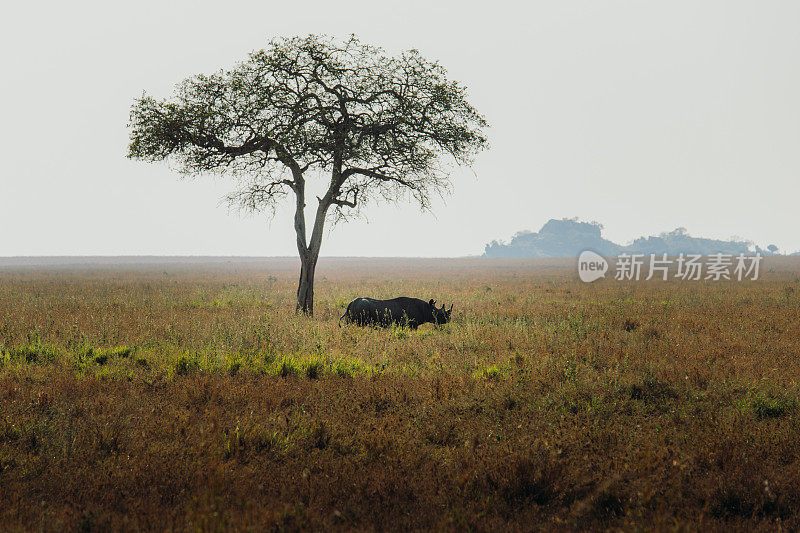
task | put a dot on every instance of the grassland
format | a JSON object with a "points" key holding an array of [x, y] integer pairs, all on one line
{"points": [[191, 397]]}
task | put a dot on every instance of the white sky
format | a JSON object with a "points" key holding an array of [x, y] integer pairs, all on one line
{"points": [[642, 115]]}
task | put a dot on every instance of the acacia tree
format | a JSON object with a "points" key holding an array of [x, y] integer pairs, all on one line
{"points": [[377, 127]]}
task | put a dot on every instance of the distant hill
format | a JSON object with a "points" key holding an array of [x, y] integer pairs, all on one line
{"points": [[569, 237], [557, 238], [678, 241]]}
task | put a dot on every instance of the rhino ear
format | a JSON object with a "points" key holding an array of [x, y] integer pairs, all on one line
{"points": [[432, 302]]}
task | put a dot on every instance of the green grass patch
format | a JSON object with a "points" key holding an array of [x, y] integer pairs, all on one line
{"points": [[490, 373], [771, 405], [35, 353]]}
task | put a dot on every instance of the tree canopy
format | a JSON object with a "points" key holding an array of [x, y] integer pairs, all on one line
{"points": [[379, 126]]}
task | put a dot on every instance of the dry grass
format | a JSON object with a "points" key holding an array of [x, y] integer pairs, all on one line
{"points": [[193, 398]]}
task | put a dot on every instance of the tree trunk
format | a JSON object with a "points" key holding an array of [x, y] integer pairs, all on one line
{"points": [[305, 288], [308, 264], [309, 253]]}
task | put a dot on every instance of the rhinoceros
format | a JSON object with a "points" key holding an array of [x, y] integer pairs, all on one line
{"points": [[404, 311]]}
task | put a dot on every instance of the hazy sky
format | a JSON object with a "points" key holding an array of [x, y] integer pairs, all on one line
{"points": [[642, 115]]}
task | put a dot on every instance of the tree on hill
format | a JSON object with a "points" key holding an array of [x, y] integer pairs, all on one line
{"points": [[375, 126]]}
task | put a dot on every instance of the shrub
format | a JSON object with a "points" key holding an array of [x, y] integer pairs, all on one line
{"points": [[313, 370], [185, 365], [287, 368], [767, 405]]}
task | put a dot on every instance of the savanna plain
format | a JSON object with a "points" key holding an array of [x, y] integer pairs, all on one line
{"points": [[190, 396]]}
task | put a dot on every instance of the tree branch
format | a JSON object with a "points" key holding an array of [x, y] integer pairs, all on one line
{"points": [[345, 201], [374, 174]]}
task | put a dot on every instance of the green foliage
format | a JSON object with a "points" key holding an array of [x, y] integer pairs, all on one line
{"points": [[288, 107], [287, 368], [771, 405], [348, 367], [313, 370], [120, 351], [35, 353], [185, 364], [491, 372], [399, 332]]}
